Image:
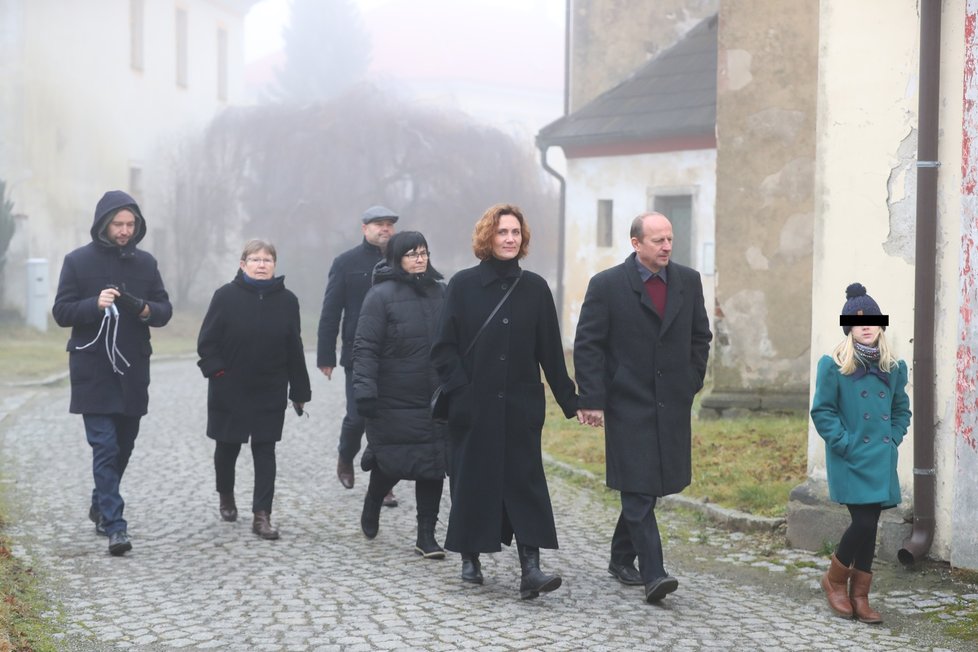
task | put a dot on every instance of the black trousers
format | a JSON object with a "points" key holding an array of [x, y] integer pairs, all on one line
{"points": [[858, 544], [637, 534], [427, 493], [263, 454], [351, 430]]}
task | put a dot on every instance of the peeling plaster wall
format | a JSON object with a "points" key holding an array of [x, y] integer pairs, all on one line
{"points": [[866, 206], [964, 525], [765, 207], [614, 37], [629, 181]]}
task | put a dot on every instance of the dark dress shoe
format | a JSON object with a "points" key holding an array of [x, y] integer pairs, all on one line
{"points": [[471, 568], [344, 471], [119, 543], [389, 500], [95, 517], [625, 573], [660, 588], [262, 526]]}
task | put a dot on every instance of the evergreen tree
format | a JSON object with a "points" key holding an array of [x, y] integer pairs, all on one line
{"points": [[327, 50]]}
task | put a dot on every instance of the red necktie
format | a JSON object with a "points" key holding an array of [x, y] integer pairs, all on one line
{"points": [[656, 288]]}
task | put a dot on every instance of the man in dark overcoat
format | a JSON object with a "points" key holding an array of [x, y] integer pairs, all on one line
{"points": [[640, 355], [110, 293], [346, 286]]}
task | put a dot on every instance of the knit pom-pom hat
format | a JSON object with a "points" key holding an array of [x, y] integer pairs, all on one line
{"points": [[858, 302]]}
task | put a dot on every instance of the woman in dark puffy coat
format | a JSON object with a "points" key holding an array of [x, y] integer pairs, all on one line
{"points": [[393, 381], [250, 349]]}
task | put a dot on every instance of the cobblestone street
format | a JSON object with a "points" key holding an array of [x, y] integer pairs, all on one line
{"points": [[195, 582]]}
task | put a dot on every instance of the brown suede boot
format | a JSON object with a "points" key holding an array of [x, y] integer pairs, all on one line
{"points": [[262, 526], [859, 596], [835, 582]]}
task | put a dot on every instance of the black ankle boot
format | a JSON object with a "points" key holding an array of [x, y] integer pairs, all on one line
{"points": [[227, 508], [534, 581], [471, 568], [370, 517], [426, 546]]}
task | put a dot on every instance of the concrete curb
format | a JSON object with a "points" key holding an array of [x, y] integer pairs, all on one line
{"points": [[730, 519]]}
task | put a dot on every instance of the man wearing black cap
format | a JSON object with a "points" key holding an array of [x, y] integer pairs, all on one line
{"points": [[110, 293], [346, 286]]}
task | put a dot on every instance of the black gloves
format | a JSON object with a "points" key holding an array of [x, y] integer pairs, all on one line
{"points": [[130, 303], [367, 407]]}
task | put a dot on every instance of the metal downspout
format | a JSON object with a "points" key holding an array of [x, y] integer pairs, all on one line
{"points": [[562, 210], [916, 546]]}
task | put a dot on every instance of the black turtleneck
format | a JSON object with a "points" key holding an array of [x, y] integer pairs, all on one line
{"points": [[505, 268]]}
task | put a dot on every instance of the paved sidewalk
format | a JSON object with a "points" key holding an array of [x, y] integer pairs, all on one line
{"points": [[195, 582]]}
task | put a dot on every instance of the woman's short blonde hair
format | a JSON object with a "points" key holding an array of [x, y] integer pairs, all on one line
{"points": [[255, 245], [485, 230]]}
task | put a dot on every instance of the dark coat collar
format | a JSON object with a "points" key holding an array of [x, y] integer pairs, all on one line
{"points": [[674, 291]]}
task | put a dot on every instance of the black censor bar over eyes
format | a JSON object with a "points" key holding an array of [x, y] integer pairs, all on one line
{"points": [[864, 320]]}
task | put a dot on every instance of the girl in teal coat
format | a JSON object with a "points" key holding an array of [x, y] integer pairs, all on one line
{"points": [[862, 411]]}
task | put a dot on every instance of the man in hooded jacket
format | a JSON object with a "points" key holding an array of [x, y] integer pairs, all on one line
{"points": [[110, 293]]}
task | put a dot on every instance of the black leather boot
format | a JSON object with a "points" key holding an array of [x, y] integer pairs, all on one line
{"points": [[471, 568], [534, 581], [426, 546], [228, 509], [370, 517]]}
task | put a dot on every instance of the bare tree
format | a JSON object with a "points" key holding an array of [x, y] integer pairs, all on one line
{"points": [[196, 199], [302, 175]]}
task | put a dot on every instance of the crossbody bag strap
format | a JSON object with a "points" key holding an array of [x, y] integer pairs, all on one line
{"points": [[493, 313]]}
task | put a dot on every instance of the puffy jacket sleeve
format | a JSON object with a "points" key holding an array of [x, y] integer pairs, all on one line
{"points": [[160, 308], [825, 407], [369, 344], [70, 307]]}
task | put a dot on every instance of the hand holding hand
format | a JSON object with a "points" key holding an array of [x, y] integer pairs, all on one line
{"points": [[594, 418]]}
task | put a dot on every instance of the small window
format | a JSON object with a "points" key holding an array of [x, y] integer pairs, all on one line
{"points": [[136, 44], [679, 210], [605, 233], [222, 64], [182, 47]]}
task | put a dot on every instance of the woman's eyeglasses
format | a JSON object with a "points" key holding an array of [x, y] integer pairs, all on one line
{"points": [[260, 261], [418, 255]]}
